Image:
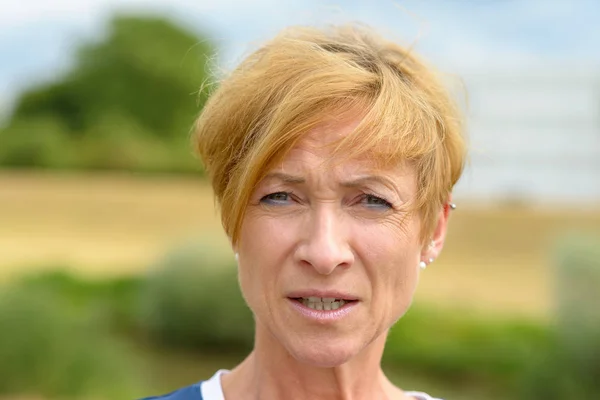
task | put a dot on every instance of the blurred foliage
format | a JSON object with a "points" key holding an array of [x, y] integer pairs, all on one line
{"points": [[458, 346], [128, 103], [40, 142], [192, 299], [113, 301], [48, 348], [577, 281], [570, 366]]}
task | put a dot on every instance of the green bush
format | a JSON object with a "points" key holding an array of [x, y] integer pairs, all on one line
{"points": [[570, 365], [457, 346], [192, 299], [128, 103], [114, 143], [118, 142], [578, 298], [47, 348], [114, 300], [37, 142]]}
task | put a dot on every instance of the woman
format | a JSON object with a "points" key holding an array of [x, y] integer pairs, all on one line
{"points": [[332, 154]]}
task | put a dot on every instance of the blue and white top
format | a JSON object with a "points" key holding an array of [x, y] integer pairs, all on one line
{"points": [[212, 390]]}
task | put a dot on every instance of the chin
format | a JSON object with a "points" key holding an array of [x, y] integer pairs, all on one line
{"points": [[324, 355]]}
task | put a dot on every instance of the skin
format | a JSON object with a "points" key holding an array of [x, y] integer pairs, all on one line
{"points": [[312, 224]]}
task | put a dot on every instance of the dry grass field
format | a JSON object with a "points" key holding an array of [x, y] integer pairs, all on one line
{"points": [[497, 259]]}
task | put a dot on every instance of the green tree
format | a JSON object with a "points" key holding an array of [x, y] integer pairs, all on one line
{"points": [[146, 71]]}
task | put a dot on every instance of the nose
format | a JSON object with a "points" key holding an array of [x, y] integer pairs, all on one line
{"points": [[325, 246]]}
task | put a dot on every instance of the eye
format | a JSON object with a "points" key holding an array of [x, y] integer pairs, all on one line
{"points": [[276, 198], [370, 200]]}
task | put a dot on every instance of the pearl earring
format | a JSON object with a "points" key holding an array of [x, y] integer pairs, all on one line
{"points": [[237, 257], [423, 264]]}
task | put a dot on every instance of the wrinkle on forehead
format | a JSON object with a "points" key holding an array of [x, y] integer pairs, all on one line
{"points": [[321, 141]]}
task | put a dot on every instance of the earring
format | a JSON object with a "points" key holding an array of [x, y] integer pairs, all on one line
{"points": [[237, 257], [424, 264], [452, 206]]}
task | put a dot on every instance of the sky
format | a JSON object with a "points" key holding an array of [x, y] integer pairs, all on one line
{"points": [[37, 37]]}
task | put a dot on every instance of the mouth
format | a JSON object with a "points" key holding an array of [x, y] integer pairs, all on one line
{"points": [[322, 303]]}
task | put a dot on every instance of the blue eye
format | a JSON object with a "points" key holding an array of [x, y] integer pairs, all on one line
{"points": [[276, 198], [371, 200]]}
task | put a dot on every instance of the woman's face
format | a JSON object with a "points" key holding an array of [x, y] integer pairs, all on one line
{"points": [[328, 258]]}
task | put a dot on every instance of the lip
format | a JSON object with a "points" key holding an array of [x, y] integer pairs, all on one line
{"points": [[323, 316], [322, 293]]}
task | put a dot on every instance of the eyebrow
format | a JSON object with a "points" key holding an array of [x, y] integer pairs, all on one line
{"points": [[286, 178], [293, 179], [368, 178]]}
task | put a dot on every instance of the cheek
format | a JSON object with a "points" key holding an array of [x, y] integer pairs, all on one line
{"points": [[392, 256], [261, 246], [398, 273], [249, 267]]}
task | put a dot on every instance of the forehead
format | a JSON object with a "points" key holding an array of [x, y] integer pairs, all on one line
{"points": [[316, 151], [317, 147], [328, 133]]}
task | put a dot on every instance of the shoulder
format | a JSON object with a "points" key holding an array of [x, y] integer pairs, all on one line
{"points": [[187, 393]]}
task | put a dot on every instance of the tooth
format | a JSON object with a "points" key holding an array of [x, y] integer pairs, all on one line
{"points": [[328, 299], [312, 305], [305, 302], [342, 302], [319, 306], [335, 305], [314, 299], [327, 306]]}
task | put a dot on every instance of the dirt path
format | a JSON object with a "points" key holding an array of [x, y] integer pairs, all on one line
{"points": [[106, 224]]}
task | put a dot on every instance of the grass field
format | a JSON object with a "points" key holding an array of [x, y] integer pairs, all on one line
{"points": [[497, 259]]}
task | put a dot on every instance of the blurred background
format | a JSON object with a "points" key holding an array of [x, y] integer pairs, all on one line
{"points": [[112, 257]]}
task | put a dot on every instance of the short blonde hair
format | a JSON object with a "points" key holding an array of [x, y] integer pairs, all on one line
{"points": [[303, 77]]}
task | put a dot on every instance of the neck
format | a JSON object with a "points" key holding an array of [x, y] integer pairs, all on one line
{"points": [[271, 373]]}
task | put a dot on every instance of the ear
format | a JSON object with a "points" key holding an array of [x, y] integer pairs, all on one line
{"points": [[433, 248]]}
